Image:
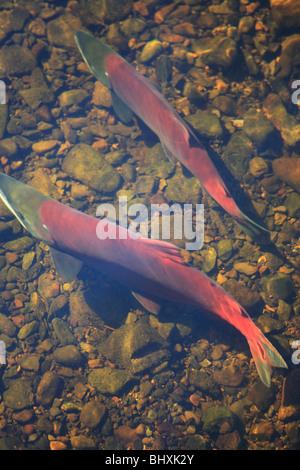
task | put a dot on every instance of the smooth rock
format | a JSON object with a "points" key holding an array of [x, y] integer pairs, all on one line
{"points": [[290, 50], [19, 395], [261, 396], [109, 380], [258, 167], [288, 170], [215, 416], [16, 60], [92, 414], [292, 203], [7, 327], [286, 13], [62, 332], [285, 123], [105, 11], [61, 30], [182, 189], [207, 124], [42, 182], [151, 50], [278, 286], [71, 97], [90, 167], [246, 268], [44, 146], [290, 402], [216, 51], [82, 442], [28, 329], [225, 249], [238, 152], [258, 128], [209, 259], [68, 356], [48, 388], [129, 342], [3, 119]]}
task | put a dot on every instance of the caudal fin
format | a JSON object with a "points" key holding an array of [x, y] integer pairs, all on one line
{"points": [[265, 356], [251, 228]]}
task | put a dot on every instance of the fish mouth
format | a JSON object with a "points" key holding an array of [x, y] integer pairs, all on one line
{"points": [[25, 202]]}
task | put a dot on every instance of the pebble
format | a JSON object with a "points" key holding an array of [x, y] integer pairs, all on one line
{"points": [[58, 445], [71, 97], [16, 60], [284, 122], [151, 50], [263, 431], [288, 170], [215, 416], [44, 146], [48, 388], [108, 380], [68, 356], [246, 268], [92, 414], [90, 167], [258, 167]]}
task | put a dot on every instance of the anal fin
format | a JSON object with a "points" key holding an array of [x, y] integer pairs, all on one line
{"points": [[121, 108], [148, 304], [66, 265]]}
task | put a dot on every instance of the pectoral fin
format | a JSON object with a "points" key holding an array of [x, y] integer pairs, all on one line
{"points": [[148, 304], [121, 109], [66, 265]]}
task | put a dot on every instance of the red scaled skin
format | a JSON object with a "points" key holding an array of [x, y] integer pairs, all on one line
{"points": [[148, 267], [174, 133]]}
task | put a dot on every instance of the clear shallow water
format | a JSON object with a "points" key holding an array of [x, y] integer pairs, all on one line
{"points": [[84, 349]]}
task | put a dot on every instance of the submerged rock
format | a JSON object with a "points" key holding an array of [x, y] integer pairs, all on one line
{"points": [[207, 124], [90, 167], [48, 388], [61, 30], [19, 395], [16, 60], [288, 170], [99, 11], [278, 286], [215, 416], [286, 13], [109, 380], [92, 414], [238, 153], [182, 189], [258, 128], [289, 57], [134, 346], [151, 50], [285, 123], [68, 356], [216, 51]]}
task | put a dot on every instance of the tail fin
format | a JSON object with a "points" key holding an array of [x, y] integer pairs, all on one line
{"points": [[251, 228], [94, 53], [265, 356]]}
